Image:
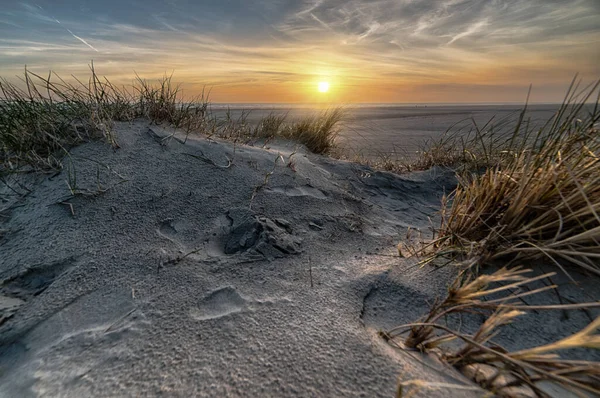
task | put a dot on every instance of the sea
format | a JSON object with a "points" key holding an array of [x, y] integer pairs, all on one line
{"points": [[372, 130]]}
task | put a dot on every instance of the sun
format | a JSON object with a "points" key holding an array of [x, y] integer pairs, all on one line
{"points": [[323, 87]]}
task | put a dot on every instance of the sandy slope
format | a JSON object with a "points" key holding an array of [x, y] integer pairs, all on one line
{"points": [[103, 307], [281, 293]]}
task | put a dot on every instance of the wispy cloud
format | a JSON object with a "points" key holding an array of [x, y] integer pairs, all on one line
{"points": [[83, 41], [77, 37], [474, 28]]}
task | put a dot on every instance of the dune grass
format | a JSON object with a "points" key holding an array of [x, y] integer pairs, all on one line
{"points": [[270, 126], [465, 148], [531, 195], [394, 161], [505, 373], [528, 194], [541, 197], [41, 118], [44, 118], [473, 146], [318, 132], [163, 102]]}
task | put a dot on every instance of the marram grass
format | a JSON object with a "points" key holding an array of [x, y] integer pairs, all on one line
{"points": [[540, 200], [318, 132], [537, 199], [43, 117], [496, 369]]}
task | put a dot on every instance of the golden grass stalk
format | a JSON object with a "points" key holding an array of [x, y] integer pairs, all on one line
{"points": [[586, 338], [577, 376], [541, 201], [468, 292], [523, 368]]}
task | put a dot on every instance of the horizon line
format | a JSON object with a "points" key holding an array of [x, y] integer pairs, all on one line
{"points": [[387, 103]]}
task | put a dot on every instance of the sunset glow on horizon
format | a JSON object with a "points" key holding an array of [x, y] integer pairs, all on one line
{"points": [[262, 51]]}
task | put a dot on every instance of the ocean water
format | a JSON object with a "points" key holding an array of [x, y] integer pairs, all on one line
{"points": [[398, 130]]}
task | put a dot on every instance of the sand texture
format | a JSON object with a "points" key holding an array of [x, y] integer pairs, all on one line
{"points": [[206, 269]]}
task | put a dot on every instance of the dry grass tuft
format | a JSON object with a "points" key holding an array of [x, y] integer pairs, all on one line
{"points": [[163, 103], [541, 200], [270, 126], [492, 366], [473, 147], [38, 122], [521, 196], [467, 293], [318, 133]]}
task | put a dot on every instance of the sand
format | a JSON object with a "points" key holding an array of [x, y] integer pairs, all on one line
{"points": [[208, 269]]}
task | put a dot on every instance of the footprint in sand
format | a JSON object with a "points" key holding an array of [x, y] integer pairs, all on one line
{"points": [[168, 229], [34, 280], [219, 303]]}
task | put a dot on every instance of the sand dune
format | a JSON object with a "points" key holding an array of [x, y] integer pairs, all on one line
{"points": [[206, 269]]}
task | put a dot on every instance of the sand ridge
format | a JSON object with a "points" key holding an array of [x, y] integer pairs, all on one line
{"points": [[193, 277]]}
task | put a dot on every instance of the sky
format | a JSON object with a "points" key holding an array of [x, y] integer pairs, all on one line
{"points": [[388, 51]]}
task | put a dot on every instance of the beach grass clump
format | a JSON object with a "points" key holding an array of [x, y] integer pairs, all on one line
{"points": [[110, 102], [270, 126], [449, 150], [318, 132], [46, 115], [518, 373], [469, 147], [236, 129], [390, 161], [541, 199], [387, 162], [158, 103], [162, 102], [42, 117], [472, 146], [531, 195]]}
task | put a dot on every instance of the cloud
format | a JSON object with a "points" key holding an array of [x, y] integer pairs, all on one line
{"points": [[83, 41], [77, 37], [360, 44], [476, 27]]}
